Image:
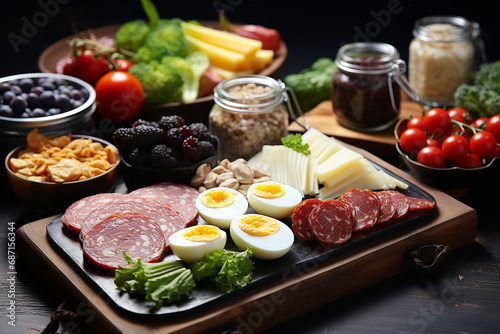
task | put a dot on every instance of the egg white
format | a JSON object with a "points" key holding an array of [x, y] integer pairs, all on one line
{"points": [[264, 247], [222, 217], [189, 251], [280, 207]]}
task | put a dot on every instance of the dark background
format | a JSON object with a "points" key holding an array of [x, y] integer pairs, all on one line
{"points": [[311, 29]]}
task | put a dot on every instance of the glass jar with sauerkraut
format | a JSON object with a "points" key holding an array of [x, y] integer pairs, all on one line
{"points": [[442, 56], [249, 112]]}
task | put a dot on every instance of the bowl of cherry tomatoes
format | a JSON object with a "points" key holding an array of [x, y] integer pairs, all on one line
{"points": [[449, 146]]}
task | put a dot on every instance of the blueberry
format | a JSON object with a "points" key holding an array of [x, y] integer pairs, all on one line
{"points": [[53, 111], [33, 100], [76, 94], [62, 101], [76, 103], [6, 111], [16, 89], [18, 105], [37, 90], [47, 85], [26, 84], [38, 112], [8, 96], [4, 86], [48, 99]]}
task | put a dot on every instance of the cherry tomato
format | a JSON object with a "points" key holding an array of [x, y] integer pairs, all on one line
{"points": [[455, 148], [119, 96], [416, 122], [483, 144], [123, 64], [433, 142], [431, 156], [477, 123], [87, 67], [437, 122], [456, 130], [493, 126], [470, 161], [412, 140], [460, 114]]}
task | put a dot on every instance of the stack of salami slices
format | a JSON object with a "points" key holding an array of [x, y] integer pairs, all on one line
{"points": [[333, 221], [138, 223]]}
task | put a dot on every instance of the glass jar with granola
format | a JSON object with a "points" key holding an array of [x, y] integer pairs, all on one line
{"points": [[442, 57], [248, 113]]}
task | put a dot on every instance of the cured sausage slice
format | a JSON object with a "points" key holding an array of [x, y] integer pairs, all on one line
{"points": [[387, 207], [180, 196], [366, 205], [399, 200], [331, 222], [300, 219], [168, 219], [419, 203], [75, 214], [133, 233]]}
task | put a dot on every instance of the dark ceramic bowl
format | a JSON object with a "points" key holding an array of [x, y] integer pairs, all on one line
{"points": [[449, 176], [137, 177], [51, 196]]}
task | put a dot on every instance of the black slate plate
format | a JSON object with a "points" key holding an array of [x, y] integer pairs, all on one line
{"points": [[303, 257]]}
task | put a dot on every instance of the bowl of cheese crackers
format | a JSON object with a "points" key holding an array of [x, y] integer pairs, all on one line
{"points": [[51, 172]]}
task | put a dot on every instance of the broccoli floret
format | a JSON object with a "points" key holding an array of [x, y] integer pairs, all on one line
{"points": [[191, 68], [131, 35], [166, 38], [479, 100], [162, 83], [488, 74], [312, 85]]}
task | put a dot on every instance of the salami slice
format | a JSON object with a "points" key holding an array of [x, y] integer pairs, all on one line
{"points": [[387, 207], [399, 200], [76, 213], [180, 196], [331, 222], [167, 218], [419, 203], [133, 233], [300, 219], [366, 205]]}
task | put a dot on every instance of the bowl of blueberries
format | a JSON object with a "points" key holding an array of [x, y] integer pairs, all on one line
{"points": [[169, 149], [56, 104]]}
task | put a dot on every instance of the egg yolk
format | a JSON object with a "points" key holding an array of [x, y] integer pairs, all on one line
{"points": [[202, 233], [217, 199], [268, 190], [258, 225]]}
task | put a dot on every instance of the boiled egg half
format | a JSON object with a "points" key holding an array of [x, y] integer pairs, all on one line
{"points": [[193, 243], [269, 238], [218, 206], [273, 199]]}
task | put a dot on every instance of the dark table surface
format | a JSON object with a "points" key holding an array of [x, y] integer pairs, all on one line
{"points": [[461, 295]]}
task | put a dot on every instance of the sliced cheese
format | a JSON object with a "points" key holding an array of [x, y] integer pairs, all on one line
{"points": [[230, 41], [336, 163], [358, 167], [340, 187]]}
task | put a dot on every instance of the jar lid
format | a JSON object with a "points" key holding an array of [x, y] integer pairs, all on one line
{"points": [[256, 103], [443, 29], [367, 57]]}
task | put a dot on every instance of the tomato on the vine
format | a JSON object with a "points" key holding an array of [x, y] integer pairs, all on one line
{"points": [[431, 156], [470, 161], [455, 148], [493, 126], [87, 67], [479, 121], [412, 140], [119, 96], [433, 142], [123, 64], [460, 114], [416, 122], [437, 123], [483, 144]]}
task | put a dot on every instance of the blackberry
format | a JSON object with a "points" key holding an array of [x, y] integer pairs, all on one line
{"points": [[207, 149], [122, 138], [144, 122], [198, 129], [191, 148], [175, 136], [169, 122], [162, 156], [146, 135], [139, 157]]}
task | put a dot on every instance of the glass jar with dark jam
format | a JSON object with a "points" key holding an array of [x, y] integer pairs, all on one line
{"points": [[366, 95]]}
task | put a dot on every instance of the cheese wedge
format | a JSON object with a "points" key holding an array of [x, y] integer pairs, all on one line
{"points": [[336, 163]]}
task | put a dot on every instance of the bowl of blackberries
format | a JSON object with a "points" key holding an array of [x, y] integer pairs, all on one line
{"points": [[56, 104], [169, 149]]}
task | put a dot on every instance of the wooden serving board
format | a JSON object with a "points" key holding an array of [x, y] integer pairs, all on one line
{"points": [[322, 118], [452, 224]]}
